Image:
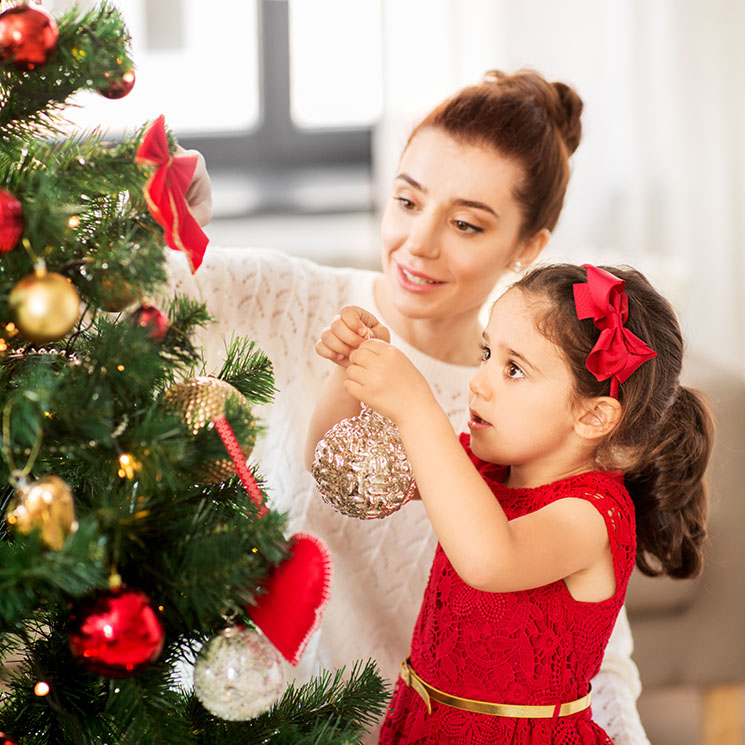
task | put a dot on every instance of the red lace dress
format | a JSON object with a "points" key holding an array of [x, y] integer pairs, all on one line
{"points": [[538, 646]]}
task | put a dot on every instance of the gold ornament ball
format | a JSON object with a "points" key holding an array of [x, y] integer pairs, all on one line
{"points": [[116, 296], [45, 306], [200, 400], [46, 504], [361, 469]]}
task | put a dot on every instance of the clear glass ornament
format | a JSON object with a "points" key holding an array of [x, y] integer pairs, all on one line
{"points": [[361, 469], [238, 674]]}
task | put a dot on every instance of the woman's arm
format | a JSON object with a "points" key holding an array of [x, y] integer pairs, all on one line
{"points": [[616, 688], [488, 551]]}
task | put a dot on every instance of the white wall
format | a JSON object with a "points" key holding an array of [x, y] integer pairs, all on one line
{"points": [[659, 178]]}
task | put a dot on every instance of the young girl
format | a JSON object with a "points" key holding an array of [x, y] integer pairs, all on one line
{"points": [[601, 457]]}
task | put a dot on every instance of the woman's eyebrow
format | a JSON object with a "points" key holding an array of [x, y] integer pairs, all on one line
{"points": [[461, 202], [476, 205], [412, 182]]}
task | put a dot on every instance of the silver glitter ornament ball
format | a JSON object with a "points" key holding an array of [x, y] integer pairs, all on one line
{"points": [[238, 674], [361, 468]]}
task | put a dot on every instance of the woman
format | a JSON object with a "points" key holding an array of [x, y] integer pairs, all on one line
{"points": [[480, 186]]}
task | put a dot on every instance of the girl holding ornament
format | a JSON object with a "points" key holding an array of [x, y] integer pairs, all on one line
{"points": [[584, 454], [479, 187]]}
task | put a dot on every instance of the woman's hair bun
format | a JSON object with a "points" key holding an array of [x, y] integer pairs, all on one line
{"points": [[568, 117]]}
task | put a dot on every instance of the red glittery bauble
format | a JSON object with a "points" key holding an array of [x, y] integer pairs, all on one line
{"points": [[118, 86], [152, 319], [7, 739], [28, 37], [11, 224], [116, 634]]}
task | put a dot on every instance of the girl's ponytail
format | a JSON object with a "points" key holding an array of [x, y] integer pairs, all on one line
{"points": [[669, 491]]}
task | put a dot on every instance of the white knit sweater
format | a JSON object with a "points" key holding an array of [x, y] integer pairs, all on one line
{"points": [[380, 566]]}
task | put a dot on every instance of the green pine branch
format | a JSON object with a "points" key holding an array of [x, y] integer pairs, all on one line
{"points": [[88, 47]]}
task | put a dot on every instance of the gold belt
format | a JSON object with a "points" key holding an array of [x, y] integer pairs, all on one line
{"points": [[523, 711]]}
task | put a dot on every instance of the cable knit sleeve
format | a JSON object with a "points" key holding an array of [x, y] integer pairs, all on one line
{"points": [[616, 687], [270, 297]]}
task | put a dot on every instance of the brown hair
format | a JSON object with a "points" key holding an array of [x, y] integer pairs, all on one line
{"points": [[664, 437], [526, 118]]}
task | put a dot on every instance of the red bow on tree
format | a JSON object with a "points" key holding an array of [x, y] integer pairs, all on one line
{"points": [[617, 352], [165, 190]]}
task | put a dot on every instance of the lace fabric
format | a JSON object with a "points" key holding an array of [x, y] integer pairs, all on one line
{"points": [[537, 646]]}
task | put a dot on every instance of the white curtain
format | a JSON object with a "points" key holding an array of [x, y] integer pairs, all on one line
{"points": [[659, 179]]}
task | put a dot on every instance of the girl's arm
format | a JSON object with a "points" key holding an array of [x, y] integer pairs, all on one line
{"points": [[345, 333], [488, 551]]}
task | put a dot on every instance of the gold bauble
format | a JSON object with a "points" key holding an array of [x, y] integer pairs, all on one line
{"points": [[45, 306], [361, 469], [200, 400], [46, 504], [117, 295]]}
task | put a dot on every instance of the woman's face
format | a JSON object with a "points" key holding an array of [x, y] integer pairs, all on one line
{"points": [[451, 227]]}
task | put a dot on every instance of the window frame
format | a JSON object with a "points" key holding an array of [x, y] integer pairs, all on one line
{"points": [[276, 152]]}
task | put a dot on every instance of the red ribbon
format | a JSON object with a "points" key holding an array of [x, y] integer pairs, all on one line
{"points": [[617, 352], [239, 461], [165, 190]]}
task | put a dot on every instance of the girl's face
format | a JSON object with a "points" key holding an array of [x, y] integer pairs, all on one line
{"points": [[451, 227], [522, 408]]}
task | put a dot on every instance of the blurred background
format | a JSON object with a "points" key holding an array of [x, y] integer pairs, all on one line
{"points": [[301, 108]]}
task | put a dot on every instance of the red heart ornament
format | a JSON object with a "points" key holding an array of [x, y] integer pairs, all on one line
{"points": [[296, 592]]}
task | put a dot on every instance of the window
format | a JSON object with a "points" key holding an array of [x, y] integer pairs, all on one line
{"points": [[279, 95]]}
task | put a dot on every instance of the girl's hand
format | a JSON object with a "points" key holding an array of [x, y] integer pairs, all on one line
{"points": [[199, 193], [385, 379], [347, 331]]}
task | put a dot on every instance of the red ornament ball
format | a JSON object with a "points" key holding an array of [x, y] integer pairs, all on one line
{"points": [[7, 739], [153, 320], [116, 634], [11, 225], [118, 86], [28, 37]]}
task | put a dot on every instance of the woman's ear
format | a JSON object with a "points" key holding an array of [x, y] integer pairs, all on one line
{"points": [[598, 418], [529, 250]]}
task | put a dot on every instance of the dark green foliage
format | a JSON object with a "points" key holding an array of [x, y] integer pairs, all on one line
{"points": [[74, 407]]}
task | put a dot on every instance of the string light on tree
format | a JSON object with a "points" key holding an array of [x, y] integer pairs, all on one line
{"points": [[6, 739], [28, 37]]}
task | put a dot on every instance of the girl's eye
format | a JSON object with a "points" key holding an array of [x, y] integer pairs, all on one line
{"points": [[466, 227], [485, 353], [513, 371], [407, 204]]}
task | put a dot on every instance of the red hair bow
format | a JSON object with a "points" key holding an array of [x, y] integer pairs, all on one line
{"points": [[165, 190], [617, 352]]}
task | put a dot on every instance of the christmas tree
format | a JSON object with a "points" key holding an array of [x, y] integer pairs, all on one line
{"points": [[133, 536]]}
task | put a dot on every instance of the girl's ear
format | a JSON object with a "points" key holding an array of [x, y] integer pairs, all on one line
{"points": [[599, 418], [530, 249]]}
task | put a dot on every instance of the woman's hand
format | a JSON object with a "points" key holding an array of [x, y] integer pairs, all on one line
{"points": [[347, 331], [199, 193], [385, 379]]}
